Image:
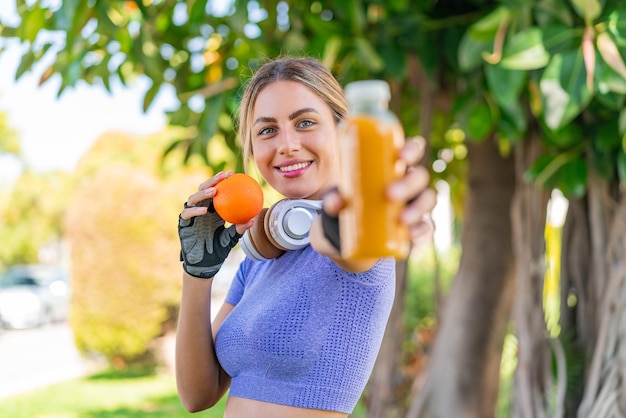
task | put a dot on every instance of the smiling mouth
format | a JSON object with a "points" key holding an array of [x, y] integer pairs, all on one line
{"points": [[295, 167]]}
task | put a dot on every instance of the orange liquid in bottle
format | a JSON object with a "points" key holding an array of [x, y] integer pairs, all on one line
{"points": [[370, 223]]}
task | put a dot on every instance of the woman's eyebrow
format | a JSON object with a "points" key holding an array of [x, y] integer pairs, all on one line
{"points": [[264, 119], [269, 119], [301, 111]]}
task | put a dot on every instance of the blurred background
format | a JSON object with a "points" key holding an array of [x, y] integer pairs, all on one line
{"points": [[112, 112]]}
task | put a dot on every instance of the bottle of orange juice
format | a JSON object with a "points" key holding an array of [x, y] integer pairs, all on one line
{"points": [[370, 141]]}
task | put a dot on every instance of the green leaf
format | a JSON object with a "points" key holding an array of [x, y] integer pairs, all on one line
{"points": [[610, 54], [73, 72], [621, 123], [331, 51], [486, 28], [442, 47], [172, 146], [480, 122], [560, 38], [32, 21], [572, 178], [103, 72], [368, 55], [221, 166], [604, 162], [505, 85], [64, 17], [617, 25], [567, 137], [525, 51], [542, 170], [197, 14], [210, 116], [189, 151], [552, 11], [607, 80], [471, 51], [80, 18], [25, 64], [200, 147], [567, 171], [430, 53], [607, 137], [610, 100], [564, 89], [512, 123], [587, 9], [150, 95], [395, 59]]}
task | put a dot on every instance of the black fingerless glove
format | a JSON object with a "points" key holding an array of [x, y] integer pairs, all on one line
{"points": [[330, 226], [205, 243]]}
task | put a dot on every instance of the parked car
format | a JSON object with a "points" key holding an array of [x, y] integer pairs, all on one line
{"points": [[33, 295]]}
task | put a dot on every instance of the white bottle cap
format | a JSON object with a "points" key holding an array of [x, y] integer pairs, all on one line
{"points": [[368, 90]]}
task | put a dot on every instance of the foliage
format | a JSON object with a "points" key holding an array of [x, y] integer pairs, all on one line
{"points": [[32, 216], [124, 248], [104, 395], [558, 64], [9, 140], [205, 52], [202, 52]]}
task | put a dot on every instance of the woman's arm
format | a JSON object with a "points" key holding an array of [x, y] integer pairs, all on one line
{"points": [[200, 379], [205, 244]]}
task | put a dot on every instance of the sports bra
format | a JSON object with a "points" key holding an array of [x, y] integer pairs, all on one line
{"points": [[304, 332]]}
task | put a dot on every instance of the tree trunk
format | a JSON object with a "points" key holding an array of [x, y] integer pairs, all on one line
{"points": [[602, 330], [463, 375], [574, 279], [533, 373]]}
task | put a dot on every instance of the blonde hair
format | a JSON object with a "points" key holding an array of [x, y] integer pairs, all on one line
{"points": [[307, 71]]}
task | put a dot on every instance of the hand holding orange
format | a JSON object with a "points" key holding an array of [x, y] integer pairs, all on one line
{"points": [[238, 198]]}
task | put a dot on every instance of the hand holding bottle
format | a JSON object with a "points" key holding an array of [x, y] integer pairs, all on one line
{"points": [[370, 139], [412, 192]]}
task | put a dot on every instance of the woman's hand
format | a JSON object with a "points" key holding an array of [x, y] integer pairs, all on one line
{"points": [[199, 202], [412, 190], [205, 241]]}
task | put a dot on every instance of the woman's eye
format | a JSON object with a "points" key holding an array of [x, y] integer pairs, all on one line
{"points": [[266, 131], [306, 123]]}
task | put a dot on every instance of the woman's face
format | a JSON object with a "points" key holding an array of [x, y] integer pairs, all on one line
{"points": [[294, 140]]}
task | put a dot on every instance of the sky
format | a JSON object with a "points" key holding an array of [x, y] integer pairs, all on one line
{"points": [[55, 132]]}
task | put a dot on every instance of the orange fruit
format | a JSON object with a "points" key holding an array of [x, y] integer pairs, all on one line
{"points": [[238, 198]]}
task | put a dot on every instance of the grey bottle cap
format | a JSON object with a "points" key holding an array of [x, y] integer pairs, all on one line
{"points": [[368, 90]]}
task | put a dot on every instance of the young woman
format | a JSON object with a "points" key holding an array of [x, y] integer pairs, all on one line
{"points": [[297, 335]]}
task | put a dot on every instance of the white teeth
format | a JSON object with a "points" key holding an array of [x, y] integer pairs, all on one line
{"points": [[294, 167]]}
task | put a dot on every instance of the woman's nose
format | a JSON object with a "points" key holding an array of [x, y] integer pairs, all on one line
{"points": [[288, 143]]}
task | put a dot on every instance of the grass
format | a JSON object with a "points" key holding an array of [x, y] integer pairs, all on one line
{"points": [[104, 395], [110, 394]]}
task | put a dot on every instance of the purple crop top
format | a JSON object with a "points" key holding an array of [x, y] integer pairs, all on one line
{"points": [[304, 332]]}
